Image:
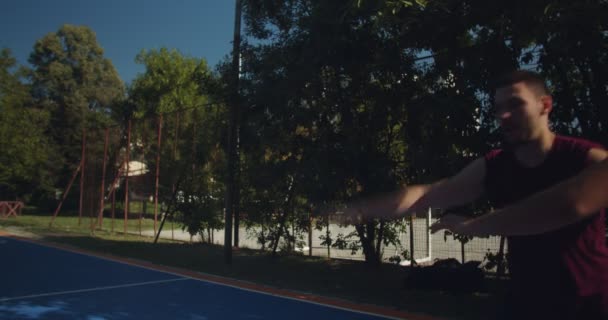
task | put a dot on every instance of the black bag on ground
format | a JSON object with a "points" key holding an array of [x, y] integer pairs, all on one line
{"points": [[447, 275]]}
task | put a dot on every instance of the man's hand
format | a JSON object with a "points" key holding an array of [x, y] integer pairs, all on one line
{"points": [[473, 227], [452, 222], [397, 204], [379, 206]]}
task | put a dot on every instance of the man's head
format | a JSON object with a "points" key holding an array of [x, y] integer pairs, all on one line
{"points": [[522, 104]]}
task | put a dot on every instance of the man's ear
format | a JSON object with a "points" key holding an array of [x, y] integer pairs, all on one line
{"points": [[547, 104]]}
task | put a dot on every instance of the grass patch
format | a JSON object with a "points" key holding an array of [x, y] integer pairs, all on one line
{"points": [[344, 279], [71, 223]]}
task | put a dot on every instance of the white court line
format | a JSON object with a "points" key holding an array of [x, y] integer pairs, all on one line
{"points": [[91, 289]]}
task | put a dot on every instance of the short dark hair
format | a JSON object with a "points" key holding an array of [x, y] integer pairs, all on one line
{"points": [[532, 79]]}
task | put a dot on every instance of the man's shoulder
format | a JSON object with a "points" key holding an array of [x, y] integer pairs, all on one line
{"points": [[579, 150], [494, 154], [574, 143]]}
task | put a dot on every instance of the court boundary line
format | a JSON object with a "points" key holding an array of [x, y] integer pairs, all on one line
{"points": [[57, 293], [331, 302]]}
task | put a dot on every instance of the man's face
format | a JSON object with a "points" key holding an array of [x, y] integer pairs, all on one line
{"points": [[519, 111]]}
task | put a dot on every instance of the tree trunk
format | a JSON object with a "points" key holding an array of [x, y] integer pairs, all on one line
{"points": [[310, 236], [412, 258], [380, 238], [367, 234], [462, 251], [283, 218], [500, 269], [263, 237], [327, 235]]}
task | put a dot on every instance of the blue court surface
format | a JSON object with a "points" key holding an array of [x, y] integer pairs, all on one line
{"points": [[40, 282]]}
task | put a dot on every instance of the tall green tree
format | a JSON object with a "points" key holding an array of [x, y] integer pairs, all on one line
{"points": [[77, 85], [179, 88], [387, 95], [26, 155], [170, 82], [328, 97]]}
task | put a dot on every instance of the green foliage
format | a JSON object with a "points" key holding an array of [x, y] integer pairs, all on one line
{"points": [[336, 92], [77, 87], [171, 82], [347, 242], [26, 154], [178, 88], [355, 98], [494, 261], [73, 80], [200, 204]]}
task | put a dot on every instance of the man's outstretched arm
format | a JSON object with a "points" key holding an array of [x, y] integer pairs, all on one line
{"points": [[462, 188], [570, 201]]}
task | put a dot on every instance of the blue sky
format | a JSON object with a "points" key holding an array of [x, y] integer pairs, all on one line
{"points": [[197, 28]]}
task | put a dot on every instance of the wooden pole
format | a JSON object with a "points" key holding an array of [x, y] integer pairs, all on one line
{"points": [[65, 194], [143, 202], [160, 125], [128, 150], [175, 142], [82, 162], [103, 177], [113, 209]]}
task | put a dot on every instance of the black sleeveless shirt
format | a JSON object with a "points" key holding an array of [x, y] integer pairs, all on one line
{"points": [[567, 263]]}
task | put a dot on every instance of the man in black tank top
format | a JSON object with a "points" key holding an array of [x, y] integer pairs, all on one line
{"points": [[555, 274], [557, 262], [578, 198]]}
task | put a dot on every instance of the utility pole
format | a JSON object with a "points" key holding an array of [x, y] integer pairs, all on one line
{"points": [[232, 186]]}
